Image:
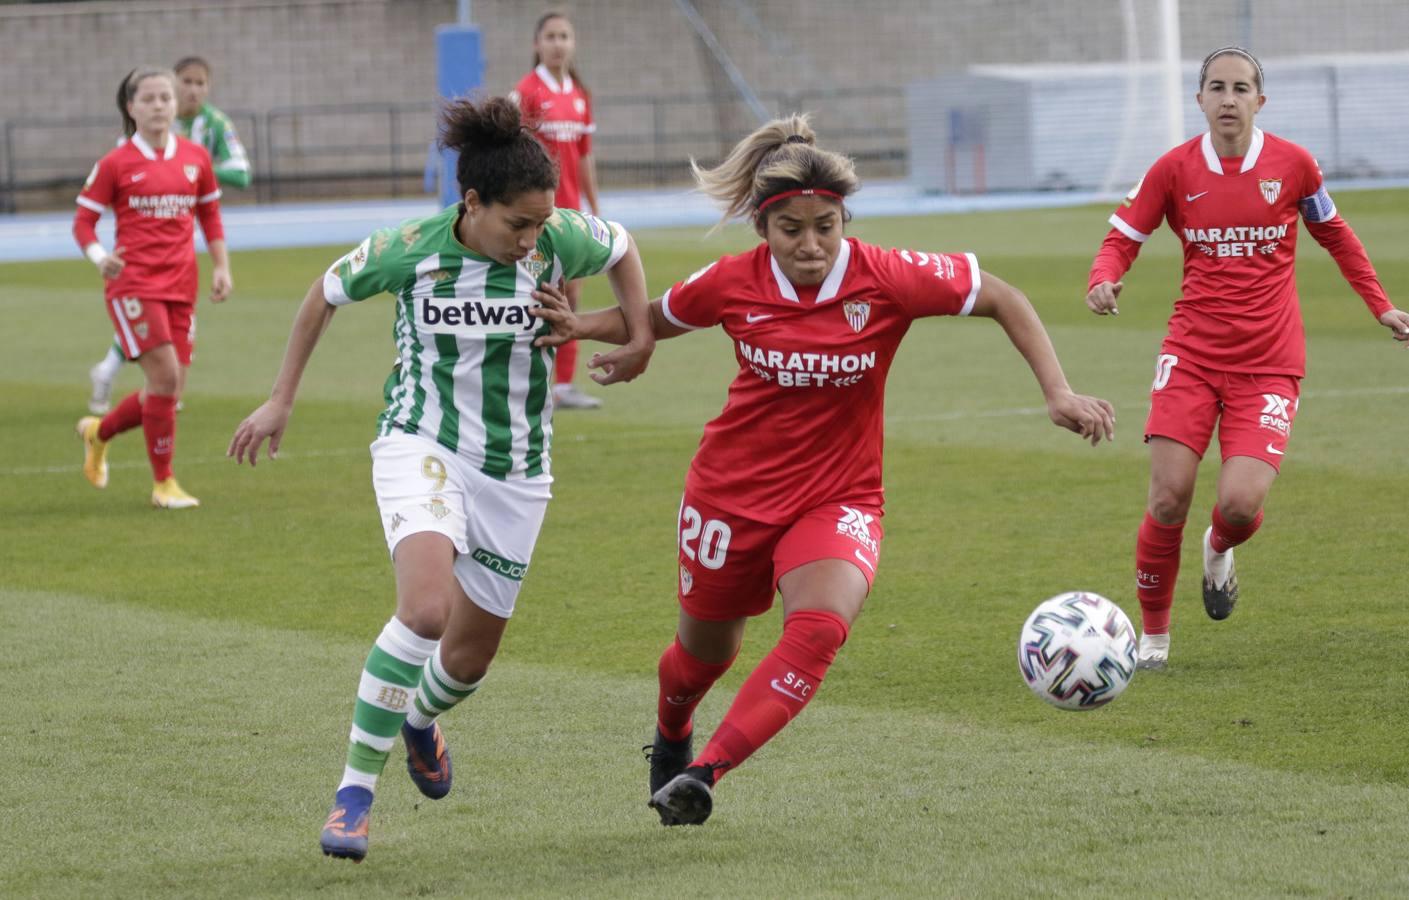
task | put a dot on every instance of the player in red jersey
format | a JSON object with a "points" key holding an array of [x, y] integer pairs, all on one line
{"points": [[1235, 353], [553, 97], [784, 494], [156, 184]]}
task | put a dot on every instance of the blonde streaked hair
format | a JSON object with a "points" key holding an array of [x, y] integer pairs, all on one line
{"points": [[780, 156]]}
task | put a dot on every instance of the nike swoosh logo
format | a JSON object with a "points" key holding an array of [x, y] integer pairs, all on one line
{"points": [[751, 317], [782, 690], [866, 562], [138, 176], [1274, 450], [1190, 198]]}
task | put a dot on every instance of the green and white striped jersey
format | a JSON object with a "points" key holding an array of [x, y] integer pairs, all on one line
{"points": [[467, 373], [214, 131]]}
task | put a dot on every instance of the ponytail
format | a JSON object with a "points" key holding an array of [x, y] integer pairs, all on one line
{"points": [[780, 156]]}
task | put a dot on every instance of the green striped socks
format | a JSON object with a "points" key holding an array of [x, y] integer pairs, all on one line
{"points": [[384, 696], [436, 693]]}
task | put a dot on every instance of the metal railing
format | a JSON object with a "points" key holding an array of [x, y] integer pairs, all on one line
{"points": [[382, 149]]}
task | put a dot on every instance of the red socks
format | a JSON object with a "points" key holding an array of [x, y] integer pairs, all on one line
{"points": [[1226, 536], [684, 680], [123, 417], [1156, 570], [565, 363], [159, 426], [777, 690]]}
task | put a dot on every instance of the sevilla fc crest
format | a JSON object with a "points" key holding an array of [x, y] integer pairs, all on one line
{"points": [[1271, 188], [687, 581], [857, 312]]}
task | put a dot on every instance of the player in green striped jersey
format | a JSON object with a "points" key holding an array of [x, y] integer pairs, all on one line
{"points": [[460, 465], [201, 122]]}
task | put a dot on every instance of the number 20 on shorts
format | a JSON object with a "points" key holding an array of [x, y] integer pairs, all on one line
{"points": [[705, 542]]}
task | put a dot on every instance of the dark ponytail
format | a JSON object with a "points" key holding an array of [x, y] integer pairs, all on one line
{"points": [[499, 156]]}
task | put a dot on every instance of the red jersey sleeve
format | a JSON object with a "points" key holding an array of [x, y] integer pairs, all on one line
{"points": [[932, 284], [96, 195], [208, 202], [1325, 225], [1132, 223], [698, 301], [589, 125], [522, 94]]}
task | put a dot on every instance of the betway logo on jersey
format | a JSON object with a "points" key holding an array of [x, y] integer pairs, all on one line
{"points": [[793, 369], [451, 315], [162, 206], [1236, 241]]}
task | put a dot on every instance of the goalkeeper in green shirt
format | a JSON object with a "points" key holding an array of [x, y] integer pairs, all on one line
{"points": [[201, 122]]}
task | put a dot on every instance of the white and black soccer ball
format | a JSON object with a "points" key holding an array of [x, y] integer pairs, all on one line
{"points": [[1077, 651]]}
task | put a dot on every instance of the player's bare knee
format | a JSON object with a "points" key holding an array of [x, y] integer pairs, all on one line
{"points": [[1169, 507], [1239, 510], [465, 662], [426, 614]]}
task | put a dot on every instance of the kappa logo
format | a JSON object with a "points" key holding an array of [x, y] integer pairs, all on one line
{"points": [[857, 313], [1271, 188], [397, 521]]}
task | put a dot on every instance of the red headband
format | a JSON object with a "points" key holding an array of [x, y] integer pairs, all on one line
{"points": [[800, 192]]}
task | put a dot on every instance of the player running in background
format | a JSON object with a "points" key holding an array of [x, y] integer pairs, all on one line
{"points": [[156, 184], [556, 102], [212, 129], [1235, 353], [784, 493], [461, 462]]}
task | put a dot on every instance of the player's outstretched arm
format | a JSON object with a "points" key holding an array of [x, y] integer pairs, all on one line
{"points": [[628, 281], [605, 325], [1090, 417], [269, 420]]}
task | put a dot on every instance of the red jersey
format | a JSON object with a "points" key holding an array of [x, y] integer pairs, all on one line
{"points": [[562, 115], [804, 419], [155, 196], [1237, 220]]}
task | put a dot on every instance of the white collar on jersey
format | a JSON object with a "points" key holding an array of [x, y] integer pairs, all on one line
{"points": [[830, 286], [547, 78], [1215, 165], [146, 149]]}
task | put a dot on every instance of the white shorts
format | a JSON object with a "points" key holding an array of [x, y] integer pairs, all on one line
{"points": [[421, 486]]}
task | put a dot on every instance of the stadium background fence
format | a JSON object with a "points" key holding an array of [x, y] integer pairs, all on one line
{"points": [[335, 98]]}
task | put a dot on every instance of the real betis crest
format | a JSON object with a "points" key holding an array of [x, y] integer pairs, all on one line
{"points": [[534, 263], [1271, 188], [857, 312]]}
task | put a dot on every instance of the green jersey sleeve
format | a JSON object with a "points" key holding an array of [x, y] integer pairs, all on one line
{"points": [[584, 244], [232, 165], [373, 266]]}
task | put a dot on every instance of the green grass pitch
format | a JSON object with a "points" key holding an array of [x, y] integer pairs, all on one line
{"points": [[178, 686]]}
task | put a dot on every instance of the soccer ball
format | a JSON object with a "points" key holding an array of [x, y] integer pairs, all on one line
{"points": [[1077, 651]]}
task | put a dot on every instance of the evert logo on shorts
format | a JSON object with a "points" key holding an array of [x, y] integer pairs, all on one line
{"points": [[856, 525], [1276, 413], [514, 571]]}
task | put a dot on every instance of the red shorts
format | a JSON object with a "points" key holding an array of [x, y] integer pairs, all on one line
{"points": [[142, 325], [1254, 413], [730, 566]]}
